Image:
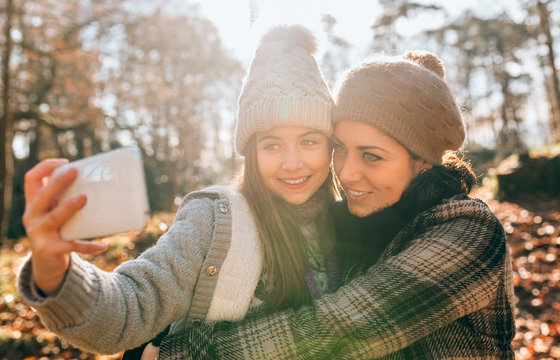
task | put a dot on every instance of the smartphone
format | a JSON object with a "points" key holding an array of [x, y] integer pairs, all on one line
{"points": [[117, 197]]}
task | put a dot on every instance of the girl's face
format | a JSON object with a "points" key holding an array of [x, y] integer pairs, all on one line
{"points": [[293, 161], [373, 168]]}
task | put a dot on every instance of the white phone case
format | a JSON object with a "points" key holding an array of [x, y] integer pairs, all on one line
{"points": [[117, 198]]}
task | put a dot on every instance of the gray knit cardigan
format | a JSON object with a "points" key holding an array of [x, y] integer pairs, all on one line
{"points": [[441, 290], [174, 282]]}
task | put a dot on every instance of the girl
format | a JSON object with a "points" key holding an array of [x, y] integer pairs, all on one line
{"points": [[264, 246], [439, 283]]}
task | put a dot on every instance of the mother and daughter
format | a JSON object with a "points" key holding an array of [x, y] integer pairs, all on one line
{"points": [[254, 271]]}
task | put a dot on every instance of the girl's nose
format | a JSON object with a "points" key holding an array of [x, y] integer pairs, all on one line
{"points": [[292, 160]]}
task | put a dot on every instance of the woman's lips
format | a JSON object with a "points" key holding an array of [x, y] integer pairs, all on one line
{"points": [[357, 193]]}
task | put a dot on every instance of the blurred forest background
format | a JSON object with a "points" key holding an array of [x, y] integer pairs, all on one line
{"points": [[81, 77]]}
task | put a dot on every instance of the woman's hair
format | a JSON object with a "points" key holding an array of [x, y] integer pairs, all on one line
{"points": [[285, 255], [454, 176]]}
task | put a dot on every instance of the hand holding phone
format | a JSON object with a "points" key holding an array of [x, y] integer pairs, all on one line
{"points": [[117, 199], [43, 217]]}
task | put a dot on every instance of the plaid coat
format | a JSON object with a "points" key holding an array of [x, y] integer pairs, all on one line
{"points": [[441, 290]]}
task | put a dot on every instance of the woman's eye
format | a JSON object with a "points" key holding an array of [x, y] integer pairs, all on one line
{"points": [[370, 157], [308, 142]]}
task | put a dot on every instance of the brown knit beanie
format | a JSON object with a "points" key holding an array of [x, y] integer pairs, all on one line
{"points": [[406, 98], [284, 86]]}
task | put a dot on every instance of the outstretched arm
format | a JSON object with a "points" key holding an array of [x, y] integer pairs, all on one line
{"points": [[100, 311]]}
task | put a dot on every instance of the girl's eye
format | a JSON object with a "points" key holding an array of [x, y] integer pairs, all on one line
{"points": [[339, 149], [271, 147], [370, 157]]}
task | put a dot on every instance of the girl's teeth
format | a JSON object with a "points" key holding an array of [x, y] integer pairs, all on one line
{"points": [[356, 193], [294, 182]]}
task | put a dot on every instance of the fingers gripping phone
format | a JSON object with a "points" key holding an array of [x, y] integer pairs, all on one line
{"points": [[117, 198]]}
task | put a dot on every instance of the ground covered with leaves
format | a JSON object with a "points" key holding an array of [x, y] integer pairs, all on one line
{"points": [[22, 335], [532, 224], [533, 227]]}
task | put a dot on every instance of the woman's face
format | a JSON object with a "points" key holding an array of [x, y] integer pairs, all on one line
{"points": [[293, 161], [373, 168]]}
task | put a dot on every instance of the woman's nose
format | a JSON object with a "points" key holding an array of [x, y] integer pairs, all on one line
{"points": [[347, 170]]}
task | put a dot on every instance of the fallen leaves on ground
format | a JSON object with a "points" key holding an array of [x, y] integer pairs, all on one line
{"points": [[22, 335], [533, 227]]}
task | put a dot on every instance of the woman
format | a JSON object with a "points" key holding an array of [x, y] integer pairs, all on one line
{"points": [[219, 260], [438, 283]]}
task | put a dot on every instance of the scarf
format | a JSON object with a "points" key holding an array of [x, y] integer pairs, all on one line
{"points": [[315, 210]]}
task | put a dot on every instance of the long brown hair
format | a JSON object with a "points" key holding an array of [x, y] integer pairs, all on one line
{"points": [[285, 255]]}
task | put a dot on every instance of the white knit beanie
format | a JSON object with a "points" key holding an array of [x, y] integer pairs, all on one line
{"points": [[284, 86]]}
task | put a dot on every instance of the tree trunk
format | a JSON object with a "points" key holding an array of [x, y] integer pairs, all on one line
{"points": [[6, 127], [544, 15]]}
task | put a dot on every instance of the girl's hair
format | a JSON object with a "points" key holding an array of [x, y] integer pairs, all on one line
{"points": [[285, 255]]}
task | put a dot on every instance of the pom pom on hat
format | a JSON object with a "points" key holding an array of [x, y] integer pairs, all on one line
{"points": [[427, 60], [292, 36], [284, 86]]}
